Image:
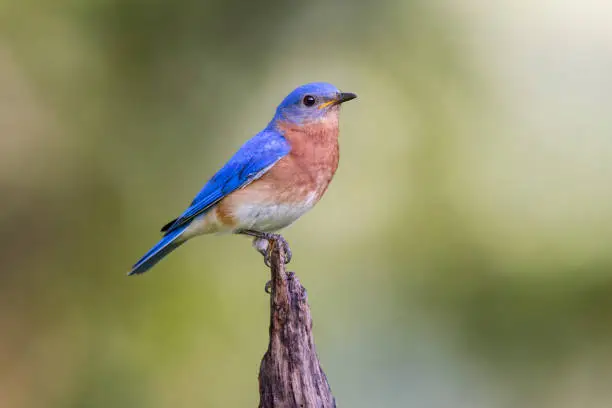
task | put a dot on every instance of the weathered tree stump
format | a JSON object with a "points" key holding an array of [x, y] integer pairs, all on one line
{"points": [[290, 375]]}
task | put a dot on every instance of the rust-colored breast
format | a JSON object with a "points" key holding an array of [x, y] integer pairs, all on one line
{"points": [[291, 187], [310, 166]]}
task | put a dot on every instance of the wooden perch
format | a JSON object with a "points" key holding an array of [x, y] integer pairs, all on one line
{"points": [[290, 375]]}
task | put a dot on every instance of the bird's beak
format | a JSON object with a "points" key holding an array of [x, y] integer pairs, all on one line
{"points": [[342, 97], [345, 97]]}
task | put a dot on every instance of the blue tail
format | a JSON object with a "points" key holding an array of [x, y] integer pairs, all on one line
{"points": [[167, 244]]}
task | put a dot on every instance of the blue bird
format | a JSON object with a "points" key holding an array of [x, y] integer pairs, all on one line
{"points": [[271, 181]]}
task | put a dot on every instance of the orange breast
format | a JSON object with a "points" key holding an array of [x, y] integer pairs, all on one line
{"points": [[291, 187], [313, 159]]}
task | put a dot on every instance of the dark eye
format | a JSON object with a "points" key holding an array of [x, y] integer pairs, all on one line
{"points": [[309, 100]]}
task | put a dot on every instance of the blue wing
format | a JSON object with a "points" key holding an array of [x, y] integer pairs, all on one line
{"points": [[249, 163]]}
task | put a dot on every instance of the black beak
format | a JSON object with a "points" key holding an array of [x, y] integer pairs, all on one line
{"points": [[345, 97]]}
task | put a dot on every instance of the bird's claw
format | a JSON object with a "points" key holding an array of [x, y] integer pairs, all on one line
{"points": [[263, 245], [267, 261], [268, 285], [286, 249]]}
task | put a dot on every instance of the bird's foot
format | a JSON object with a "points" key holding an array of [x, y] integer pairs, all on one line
{"points": [[268, 286], [279, 240], [261, 243]]}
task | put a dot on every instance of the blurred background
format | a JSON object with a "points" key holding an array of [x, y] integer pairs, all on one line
{"points": [[460, 259]]}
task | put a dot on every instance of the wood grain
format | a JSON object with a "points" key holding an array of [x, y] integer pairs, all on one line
{"points": [[290, 375]]}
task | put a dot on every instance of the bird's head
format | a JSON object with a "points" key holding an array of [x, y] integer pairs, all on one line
{"points": [[314, 102]]}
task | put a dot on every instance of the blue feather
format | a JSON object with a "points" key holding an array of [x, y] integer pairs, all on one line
{"points": [[253, 159], [250, 162], [167, 244]]}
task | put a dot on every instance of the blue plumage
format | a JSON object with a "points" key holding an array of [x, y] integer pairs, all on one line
{"points": [[168, 243], [292, 108], [253, 159], [307, 104]]}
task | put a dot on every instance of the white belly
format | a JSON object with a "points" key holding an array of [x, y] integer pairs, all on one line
{"points": [[258, 215], [269, 217]]}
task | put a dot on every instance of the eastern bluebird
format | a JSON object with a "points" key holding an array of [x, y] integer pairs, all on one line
{"points": [[271, 181]]}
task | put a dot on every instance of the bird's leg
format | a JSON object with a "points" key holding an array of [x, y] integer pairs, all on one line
{"points": [[262, 240]]}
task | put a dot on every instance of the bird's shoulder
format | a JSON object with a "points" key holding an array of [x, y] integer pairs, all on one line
{"points": [[248, 164], [269, 140], [251, 160]]}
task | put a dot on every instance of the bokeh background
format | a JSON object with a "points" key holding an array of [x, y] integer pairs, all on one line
{"points": [[461, 258]]}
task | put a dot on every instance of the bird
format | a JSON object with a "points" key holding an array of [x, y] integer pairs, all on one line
{"points": [[272, 180]]}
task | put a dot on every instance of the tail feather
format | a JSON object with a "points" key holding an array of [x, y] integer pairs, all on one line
{"points": [[167, 244]]}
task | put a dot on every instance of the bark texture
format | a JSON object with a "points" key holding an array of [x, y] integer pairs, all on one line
{"points": [[290, 375]]}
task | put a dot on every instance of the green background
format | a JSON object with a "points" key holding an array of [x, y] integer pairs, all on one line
{"points": [[461, 257]]}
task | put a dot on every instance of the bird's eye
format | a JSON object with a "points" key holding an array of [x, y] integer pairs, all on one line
{"points": [[309, 100]]}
